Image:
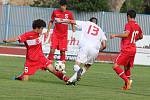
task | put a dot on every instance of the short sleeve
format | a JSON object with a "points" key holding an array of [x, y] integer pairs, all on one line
{"points": [[53, 16], [71, 16], [140, 31], [102, 35], [23, 37], [127, 28]]}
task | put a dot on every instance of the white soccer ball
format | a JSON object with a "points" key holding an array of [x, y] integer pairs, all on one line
{"points": [[60, 66]]}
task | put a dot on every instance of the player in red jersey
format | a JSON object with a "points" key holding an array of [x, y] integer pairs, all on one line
{"points": [[35, 58], [131, 34], [61, 17]]}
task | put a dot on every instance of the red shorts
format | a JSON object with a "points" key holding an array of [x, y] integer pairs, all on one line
{"points": [[125, 59], [59, 43], [32, 66]]}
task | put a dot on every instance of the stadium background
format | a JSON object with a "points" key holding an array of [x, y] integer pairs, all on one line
{"points": [[15, 20]]}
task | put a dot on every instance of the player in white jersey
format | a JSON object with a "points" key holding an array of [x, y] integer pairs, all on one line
{"points": [[92, 41]]}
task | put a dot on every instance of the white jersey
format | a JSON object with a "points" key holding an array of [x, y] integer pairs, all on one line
{"points": [[91, 35]]}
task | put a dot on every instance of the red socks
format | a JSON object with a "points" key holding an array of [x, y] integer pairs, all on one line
{"points": [[63, 57], [20, 77], [61, 76], [121, 73], [128, 73], [51, 56]]}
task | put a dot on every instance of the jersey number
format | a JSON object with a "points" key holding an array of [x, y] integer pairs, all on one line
{"points": [[26, 69], [134, 34], [93, 30]]}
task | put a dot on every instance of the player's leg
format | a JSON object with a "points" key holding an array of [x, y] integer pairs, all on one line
{"points": [[127, 70], [78, 73], [81, 59], [30, 70], [54, 44], [85, 68], [76, 68], [63, 47], [122, 59], [63, 56], [84, 57], [51, 54], [91, 54], [120, 73], [26, 77], [82, 71], [19, 77], [59, 74]]}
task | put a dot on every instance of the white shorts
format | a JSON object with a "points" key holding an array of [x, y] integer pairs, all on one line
{"points": [[87, 55]]}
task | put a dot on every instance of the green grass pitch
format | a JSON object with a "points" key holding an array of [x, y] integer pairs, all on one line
{"points": [[99, 83]]}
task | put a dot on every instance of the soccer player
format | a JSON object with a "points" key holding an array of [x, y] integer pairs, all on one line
{"points": [[35, 58], [131, 34], [61, 17], [92, 41]]}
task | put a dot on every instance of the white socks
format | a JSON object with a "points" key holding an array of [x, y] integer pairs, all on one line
{"points": [[76, 68], [73, 78], [84, 70]]}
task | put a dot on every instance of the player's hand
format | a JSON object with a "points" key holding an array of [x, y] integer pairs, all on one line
{"points": [[112, 36], [73, 35], [73, 30]]}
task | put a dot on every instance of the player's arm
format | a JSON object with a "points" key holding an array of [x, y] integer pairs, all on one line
{"points": [[123, 35], [11, 40], [51, 22], [49, 26], [72, 22], [140, 37], [103, 45], [141, 34], [73, 27]]}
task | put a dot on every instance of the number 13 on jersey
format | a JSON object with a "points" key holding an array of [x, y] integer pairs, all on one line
{"points": [[93, 30]]}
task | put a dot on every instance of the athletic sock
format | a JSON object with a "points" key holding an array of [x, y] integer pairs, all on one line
{"points": [[63, 57], [51, 56], [128, 73], [73, 78], [121, 73], [83, 71], [76, 68], [61, 76], [20, 77]]}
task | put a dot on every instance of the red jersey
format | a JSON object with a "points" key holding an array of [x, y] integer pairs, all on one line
{"points": [[134, 32], [33, 45], [61, 29]]}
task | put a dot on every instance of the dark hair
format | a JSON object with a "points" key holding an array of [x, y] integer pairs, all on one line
{"points": [[91, 19], [63, 2], [38, 23], [131, 13]]}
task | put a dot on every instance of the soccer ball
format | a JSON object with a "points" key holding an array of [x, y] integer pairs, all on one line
{"points": [[60, 66]]}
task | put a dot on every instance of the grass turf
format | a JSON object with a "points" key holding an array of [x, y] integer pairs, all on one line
{"points": [[99, 83]]}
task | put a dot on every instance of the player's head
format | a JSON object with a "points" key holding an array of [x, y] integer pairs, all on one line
{"points": [[38, 25], [63, 5], [93, 19], [131, 14]]}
